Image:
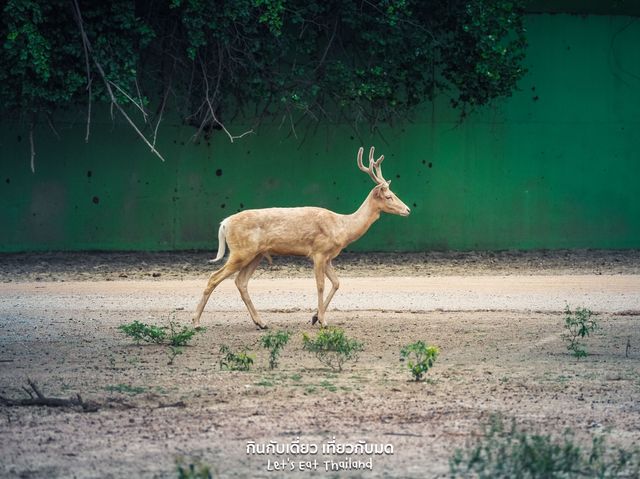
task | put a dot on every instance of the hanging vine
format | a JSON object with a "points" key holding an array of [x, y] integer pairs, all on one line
{"points": [[211, 62]]}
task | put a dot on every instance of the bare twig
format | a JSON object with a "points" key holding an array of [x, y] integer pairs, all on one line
{"points": [[33, 148], [86, 137], [89, 90], [329, 43], [41, 400], [164, 101], [213, 113], [53, 128], [139, 106], [175, 404], [220, 70], [28, 391], [293, 127], [135, 79], [203, 123], [107, 83], [35, 388]]}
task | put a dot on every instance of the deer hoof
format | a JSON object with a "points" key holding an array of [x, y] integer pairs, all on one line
{"points": [[314, 320], [262, 326]]}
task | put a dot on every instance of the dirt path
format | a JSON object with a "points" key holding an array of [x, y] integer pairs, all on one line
{"points": [[603, 293]]}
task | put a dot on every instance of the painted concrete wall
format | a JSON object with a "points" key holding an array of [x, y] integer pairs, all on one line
{"points": [[555, 166]]}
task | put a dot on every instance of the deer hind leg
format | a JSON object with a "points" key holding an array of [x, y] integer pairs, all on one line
{"points": [[319, 266], [233, 264], [241, 282], [335, 284]]}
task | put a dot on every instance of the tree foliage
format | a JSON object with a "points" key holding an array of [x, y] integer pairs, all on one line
{"points": [[363, 61], [42, 62]]}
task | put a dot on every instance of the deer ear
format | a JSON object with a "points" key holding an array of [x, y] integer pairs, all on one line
{"points": [[379, 191]]}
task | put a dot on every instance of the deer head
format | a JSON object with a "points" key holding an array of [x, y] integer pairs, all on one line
{"points": [[384, 199]]}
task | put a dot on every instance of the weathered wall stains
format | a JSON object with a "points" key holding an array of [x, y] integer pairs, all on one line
{"points": [[555, 166]]}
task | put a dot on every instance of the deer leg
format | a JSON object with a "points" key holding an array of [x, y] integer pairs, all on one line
{"points": [[319, 265], [335, 284], [241, 282], [233, 264]]}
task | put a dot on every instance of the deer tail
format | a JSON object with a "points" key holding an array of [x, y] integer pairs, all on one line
{"points": [[222, 241]]}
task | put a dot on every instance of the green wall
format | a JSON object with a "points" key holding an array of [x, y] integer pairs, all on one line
{"points": [[555, 166]]}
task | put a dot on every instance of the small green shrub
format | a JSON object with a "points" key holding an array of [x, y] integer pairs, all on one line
{"points": [[181, 337], [193, 471], [578, 324], [274, 342], [332, 347], [419, 357], [240, 361], [172, 335], [503, 452], [173, 352], [141, 332]]}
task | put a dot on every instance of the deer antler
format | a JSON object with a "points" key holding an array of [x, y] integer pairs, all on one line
{"points": [[374, 170]]}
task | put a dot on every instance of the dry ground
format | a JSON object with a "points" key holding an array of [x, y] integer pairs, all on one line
{"points": [[508, 359], [61, 266]]}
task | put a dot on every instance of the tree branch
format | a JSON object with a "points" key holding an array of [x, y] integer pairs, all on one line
{"points": [[33, 148], [128, 97], [114, 101], [329, 43], [53, 128], [213, 113], [41, 400], [89, 90], [164, 101]]}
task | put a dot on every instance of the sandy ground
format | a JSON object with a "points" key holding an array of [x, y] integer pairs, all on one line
{"points": [[497, 320], [603, 293]]}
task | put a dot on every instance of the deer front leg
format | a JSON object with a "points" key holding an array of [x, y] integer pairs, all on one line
{"points": [[241, 282], [319, 265], [335, 284]]}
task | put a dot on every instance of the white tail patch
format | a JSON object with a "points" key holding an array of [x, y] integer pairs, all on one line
{"points": [[222, 241]]}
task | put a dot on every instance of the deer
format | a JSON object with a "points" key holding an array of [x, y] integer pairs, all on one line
{"points": [[317, 233]]}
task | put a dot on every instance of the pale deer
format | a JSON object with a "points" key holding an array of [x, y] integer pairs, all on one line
{"points": [[317, 233]]}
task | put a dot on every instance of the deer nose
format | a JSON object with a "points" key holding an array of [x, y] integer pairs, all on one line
{"points": [[408, 210]]}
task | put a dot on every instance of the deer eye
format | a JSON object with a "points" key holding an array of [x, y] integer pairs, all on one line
{"points": [[387, 197]]}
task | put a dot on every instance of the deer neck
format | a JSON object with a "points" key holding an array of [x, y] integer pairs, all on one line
{"points": [[359, 222]]}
